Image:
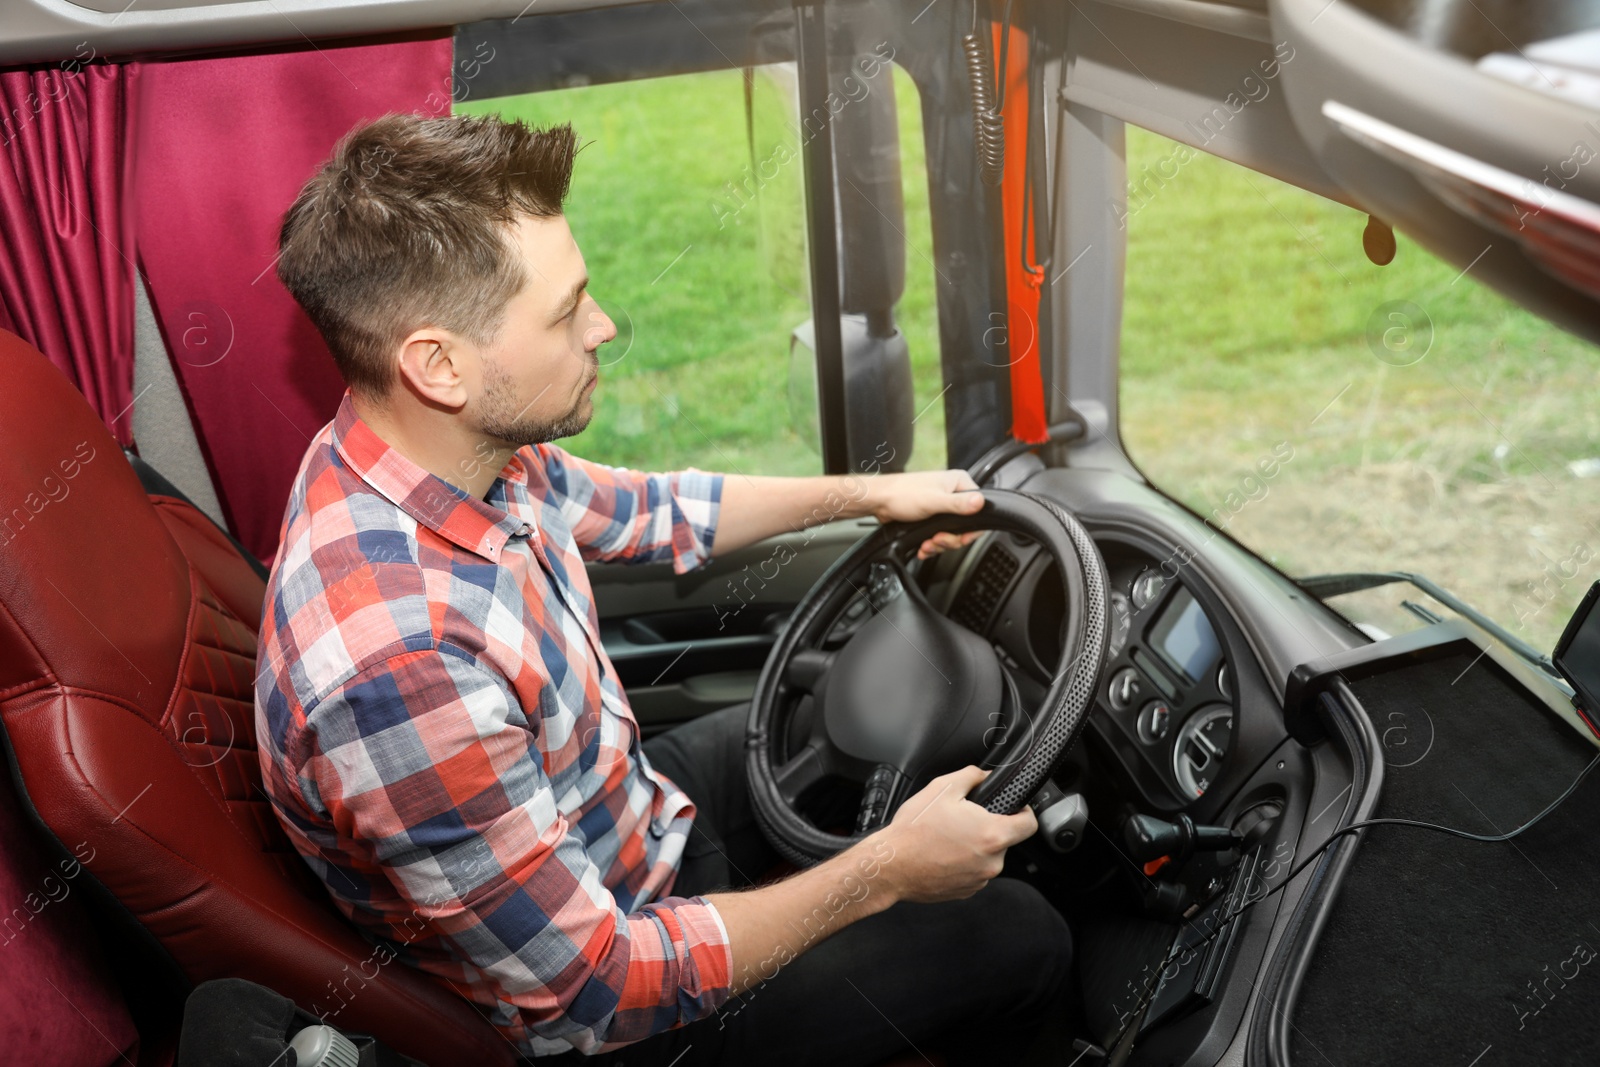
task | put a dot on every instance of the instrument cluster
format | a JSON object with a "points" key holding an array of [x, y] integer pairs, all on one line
{"points": [[1167, 683], [1167, 698]]}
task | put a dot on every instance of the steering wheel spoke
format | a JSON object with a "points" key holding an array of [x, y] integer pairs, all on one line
{"points": [[807, 669], [803, 770]]}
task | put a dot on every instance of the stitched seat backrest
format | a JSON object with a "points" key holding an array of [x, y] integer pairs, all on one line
{"points": [[127, 659]]}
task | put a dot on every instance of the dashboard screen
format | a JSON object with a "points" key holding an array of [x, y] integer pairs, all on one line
{"points": [[1183, 637]]}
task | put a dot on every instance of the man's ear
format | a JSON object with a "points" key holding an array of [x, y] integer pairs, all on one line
{"points": [[433, 367]]}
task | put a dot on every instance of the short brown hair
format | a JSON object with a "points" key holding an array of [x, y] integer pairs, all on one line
{"points": [[409, 225]]}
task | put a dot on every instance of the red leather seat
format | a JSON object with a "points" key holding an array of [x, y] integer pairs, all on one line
{"points": [[127, 660]]}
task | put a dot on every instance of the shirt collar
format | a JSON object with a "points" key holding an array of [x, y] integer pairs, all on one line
{"points": [[475, 525]]}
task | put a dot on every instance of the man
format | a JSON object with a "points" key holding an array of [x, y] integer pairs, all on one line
{"points": [[443, 736]]}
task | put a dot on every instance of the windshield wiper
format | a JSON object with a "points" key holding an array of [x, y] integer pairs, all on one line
{"points": [[1325, 586]]}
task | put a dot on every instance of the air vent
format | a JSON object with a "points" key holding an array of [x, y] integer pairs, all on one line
{"points": [[983, 589]]}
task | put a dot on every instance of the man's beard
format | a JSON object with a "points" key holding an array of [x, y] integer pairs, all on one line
{"points": [[501, 416]]}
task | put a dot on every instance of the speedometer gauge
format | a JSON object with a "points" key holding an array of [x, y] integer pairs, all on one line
{"points": [[1200, 748], [1121, 622]]}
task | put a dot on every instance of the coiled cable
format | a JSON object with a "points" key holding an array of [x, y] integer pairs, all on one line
{"points": [[988, 126]]}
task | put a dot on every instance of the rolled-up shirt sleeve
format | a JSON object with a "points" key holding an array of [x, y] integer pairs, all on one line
{"points": [[428, 768], [630, 516]]}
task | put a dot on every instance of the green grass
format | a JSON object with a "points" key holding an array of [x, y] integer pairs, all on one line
{"points": [[1242, 287], [1248, 322], [1238, 285], [700, 258]]}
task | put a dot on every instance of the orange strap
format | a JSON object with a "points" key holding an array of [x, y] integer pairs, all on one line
{"points": [[1023, 289]]}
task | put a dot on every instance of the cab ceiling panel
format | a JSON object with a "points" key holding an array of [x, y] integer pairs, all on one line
{"points": [[640, 40], [52, 31], [1204, 73]]}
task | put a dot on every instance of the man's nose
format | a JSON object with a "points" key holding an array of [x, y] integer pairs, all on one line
{"points": [[601, 329]]}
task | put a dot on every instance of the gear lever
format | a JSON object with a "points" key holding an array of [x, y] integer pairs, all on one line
{"points": [[1149, 838]]}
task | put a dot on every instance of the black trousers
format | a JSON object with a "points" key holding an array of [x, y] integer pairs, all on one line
{"points": [[970, 981]]}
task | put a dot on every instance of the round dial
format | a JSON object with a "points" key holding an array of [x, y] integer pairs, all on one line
{"points": [[1154, 718], [1201, 746], [1147, 587], [1125, 689], [1121, 623]]}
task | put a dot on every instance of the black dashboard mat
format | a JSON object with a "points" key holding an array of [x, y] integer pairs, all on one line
{"points": [[1446, 951]]}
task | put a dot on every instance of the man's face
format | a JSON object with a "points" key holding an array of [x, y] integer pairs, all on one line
{"points": [[540, 373]]}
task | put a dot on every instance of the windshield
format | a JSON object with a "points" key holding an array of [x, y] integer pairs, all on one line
{"points": [[1338, 416]]}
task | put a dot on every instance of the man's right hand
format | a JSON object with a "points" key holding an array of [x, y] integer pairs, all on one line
{"points": [[941, 846], [945, 846]]}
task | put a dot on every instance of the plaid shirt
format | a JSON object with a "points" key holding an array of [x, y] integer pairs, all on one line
{"points": [[443, 736]]}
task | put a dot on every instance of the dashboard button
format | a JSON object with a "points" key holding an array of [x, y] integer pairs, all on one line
{"points": [[1126, 689], [1154, 719]]}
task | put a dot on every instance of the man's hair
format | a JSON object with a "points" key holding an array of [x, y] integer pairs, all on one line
{"points": [[409, 225]]}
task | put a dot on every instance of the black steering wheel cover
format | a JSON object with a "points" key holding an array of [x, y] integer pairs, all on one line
{"points": [[1017, 775]]}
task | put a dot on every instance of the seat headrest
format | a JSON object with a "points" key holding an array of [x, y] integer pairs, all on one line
{"points": [[79, 543]]}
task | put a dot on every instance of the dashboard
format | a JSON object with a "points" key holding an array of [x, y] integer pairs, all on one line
{"points": [[1168, 699], [1189, 719]]}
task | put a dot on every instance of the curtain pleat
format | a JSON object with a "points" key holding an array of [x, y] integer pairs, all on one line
{"points": [[66, 266]]}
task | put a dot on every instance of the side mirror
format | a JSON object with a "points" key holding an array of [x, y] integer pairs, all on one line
{"points": [[879, 404], [872, 267]]}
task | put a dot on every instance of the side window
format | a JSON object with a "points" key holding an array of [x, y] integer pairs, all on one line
{"points": [[691, 216], [1337, 416]]}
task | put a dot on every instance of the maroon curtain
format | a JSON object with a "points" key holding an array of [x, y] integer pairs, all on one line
{"points": [[222, 146], [66, 268], [58, 1002]]}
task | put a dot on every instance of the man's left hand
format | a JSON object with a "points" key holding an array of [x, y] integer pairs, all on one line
{"points": [[920, 494]]}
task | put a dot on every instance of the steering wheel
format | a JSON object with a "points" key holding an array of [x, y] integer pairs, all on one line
{"points": [[912, 694]]}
